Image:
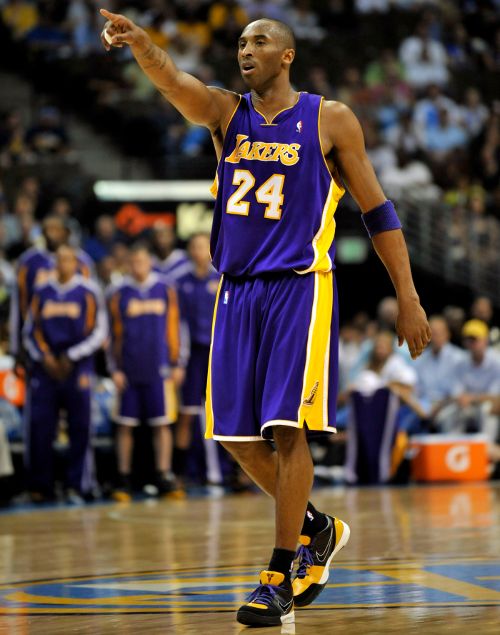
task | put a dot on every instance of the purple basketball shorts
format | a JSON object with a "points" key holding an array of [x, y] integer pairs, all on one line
{"points": [[274, 356]]}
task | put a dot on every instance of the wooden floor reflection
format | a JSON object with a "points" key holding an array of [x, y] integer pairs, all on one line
{"points": [[423, 559]]}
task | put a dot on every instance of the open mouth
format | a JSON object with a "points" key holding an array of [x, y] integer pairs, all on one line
{"points": [[247, 67]]}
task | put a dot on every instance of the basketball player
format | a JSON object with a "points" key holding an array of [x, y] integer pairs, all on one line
{"points": [[273, 360], [66, 325], [143, 362], [35, 266], [197, 291]]}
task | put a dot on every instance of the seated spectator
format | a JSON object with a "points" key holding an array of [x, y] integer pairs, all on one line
{"points": [[424, 59], [385, 66], [350, 340], [304, 22], [318, 82], [47, 35], [385, 368], [104, 239], [473, 114], [19, 16], [455, 319], [436, 367], [483, 232], [403, 135], [108, 273], [13, 149], [442, 139], [61, 206], [82, 19], [409, 173], [275, 10], [476, 387], [30, 232], [48, 135], [10, 223], [381, 154], [227, 20]]}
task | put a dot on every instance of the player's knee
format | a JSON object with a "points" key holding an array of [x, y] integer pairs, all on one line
{"points": [[288, 439], [240, 451]]}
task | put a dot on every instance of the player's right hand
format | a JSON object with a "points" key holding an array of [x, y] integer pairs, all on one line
{"points": [[119, 380], [122, 31]]}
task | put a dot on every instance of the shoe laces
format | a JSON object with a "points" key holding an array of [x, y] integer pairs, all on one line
{"points": [[263, 594], [305, 558]]}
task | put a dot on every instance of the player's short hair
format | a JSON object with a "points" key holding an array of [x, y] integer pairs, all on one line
{"points": [[284, 31], [138, 246], [198, 235], [55, 218]]}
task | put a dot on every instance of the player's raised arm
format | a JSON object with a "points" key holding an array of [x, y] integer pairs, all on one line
{"points": [[198, 103], [341, 131]]}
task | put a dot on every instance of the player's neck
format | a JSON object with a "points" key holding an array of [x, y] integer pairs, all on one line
{"points": [[271, 99], [201, 271]]}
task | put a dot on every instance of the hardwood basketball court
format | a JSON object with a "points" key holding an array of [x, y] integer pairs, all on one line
{"points": [[420, 559]]}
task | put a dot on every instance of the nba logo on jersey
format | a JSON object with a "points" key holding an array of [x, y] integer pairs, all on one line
{"points": [[299, 126], [226, 297]]}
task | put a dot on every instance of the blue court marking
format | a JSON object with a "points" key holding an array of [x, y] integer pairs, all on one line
{"points": [[450, 584]]}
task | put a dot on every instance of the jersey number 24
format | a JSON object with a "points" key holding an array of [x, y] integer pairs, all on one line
{"points": [[270, 193]]}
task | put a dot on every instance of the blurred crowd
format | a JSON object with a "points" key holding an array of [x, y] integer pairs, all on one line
{"points": [[425, 89], [117, 333]]}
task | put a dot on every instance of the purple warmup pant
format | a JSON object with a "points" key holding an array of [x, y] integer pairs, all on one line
{"points": [[274, 356], [46, 397]]}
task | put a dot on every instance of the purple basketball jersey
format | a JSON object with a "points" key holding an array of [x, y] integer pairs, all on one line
{"points": [[276, 198]]}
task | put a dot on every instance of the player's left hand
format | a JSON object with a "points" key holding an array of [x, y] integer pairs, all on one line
{"points": [[178, 375], [412, 326], [65, 366]]}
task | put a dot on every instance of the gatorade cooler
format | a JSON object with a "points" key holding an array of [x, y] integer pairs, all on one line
{"points": [[439, 457]]}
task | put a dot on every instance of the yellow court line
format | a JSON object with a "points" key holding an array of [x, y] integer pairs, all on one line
{"points": [[441, 583], [488, 577], [26, 598], [225, 607]]}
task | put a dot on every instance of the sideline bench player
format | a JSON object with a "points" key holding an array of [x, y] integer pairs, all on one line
{"points": [[273, 360]]}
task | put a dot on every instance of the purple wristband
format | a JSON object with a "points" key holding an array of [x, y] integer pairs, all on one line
{"points": [[381, 219]]}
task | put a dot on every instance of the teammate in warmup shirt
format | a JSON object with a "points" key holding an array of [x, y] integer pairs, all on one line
{"points": [[273, 360], [143, 360], [65, 326], [197, 292], [35, 266]]}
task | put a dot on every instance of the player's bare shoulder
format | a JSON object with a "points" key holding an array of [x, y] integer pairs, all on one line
{"points": [[338, 125], [227, 101]]}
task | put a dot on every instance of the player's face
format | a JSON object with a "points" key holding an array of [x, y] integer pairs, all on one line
{"points": [[140, 265], [164, 238], [199, 250], [440, 334], [55, 233], [383, 347], [66, 263], [261, 56]]}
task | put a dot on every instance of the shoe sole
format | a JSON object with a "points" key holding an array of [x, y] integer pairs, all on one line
{"points": [[307, 597], [248, 618]]}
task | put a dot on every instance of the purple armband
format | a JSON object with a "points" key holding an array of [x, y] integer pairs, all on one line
{"points": [[381, 219]]}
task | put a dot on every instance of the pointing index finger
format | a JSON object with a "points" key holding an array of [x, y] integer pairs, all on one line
{"points": [[110, 16]]}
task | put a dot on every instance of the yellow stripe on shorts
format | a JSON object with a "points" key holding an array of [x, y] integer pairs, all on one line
{"points": [[313, 408], [171, 400], [209, 412]]}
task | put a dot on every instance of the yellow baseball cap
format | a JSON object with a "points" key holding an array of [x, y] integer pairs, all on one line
{"points": [[476, 328]]}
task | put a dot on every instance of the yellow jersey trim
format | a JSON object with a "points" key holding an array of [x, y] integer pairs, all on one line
{"points": [[215, 185], [209, 411], [270, 123]]}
